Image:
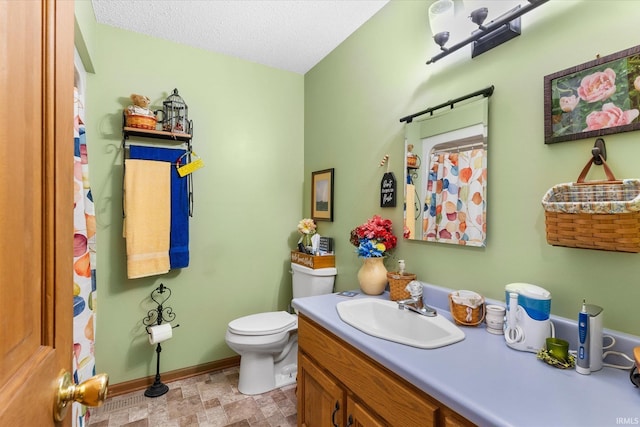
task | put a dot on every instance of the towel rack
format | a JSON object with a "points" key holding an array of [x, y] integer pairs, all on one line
{"points": [[182, 140]]}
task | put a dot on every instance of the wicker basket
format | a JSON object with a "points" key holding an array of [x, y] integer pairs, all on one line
{"points": [[602, 215], [397, 284], [465, 315], [140, 122]]}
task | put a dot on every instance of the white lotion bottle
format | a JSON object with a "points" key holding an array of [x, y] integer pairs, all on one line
{"points": [[401, 266]]}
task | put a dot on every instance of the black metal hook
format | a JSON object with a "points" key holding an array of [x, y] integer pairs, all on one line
{"points": [[599, 151]]}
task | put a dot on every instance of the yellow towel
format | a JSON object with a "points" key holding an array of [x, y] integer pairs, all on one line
{"points": [[147, 203]]}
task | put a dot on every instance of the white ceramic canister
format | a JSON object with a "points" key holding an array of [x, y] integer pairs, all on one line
{"points": [[494, 319]]}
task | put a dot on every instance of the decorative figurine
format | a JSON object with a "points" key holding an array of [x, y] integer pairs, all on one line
{"points": [[139, 115]]}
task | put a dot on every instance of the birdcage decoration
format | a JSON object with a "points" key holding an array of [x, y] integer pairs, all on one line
{"points": [[175, 114]]}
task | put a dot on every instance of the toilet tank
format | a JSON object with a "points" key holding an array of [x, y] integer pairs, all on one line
{"points": [[309, 282]]}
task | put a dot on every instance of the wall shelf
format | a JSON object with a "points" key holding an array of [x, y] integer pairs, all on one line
{"points": [[156, 134]]}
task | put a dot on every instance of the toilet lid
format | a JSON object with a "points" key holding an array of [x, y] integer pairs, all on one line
{"points": [[263, 323]]}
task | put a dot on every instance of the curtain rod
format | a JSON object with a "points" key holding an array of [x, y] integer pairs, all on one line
{"points": [[486, 92], [458, 148]]}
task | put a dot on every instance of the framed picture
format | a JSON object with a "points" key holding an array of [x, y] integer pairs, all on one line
{"points": [[322, 195], [599, 97]]}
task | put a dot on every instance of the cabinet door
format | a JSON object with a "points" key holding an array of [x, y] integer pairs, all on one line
{"points": [[321, 400], [451, 419], [359, 415]]}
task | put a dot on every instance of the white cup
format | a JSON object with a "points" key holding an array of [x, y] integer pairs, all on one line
{"points": [[494, 319]]}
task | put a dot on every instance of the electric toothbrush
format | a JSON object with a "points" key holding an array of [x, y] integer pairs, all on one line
{"points": [[582, 364]]}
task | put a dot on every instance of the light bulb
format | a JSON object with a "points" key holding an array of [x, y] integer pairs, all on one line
{"points": [[441, 16]]}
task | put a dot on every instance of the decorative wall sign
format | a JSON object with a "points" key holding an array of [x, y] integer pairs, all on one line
{"points": [[322, 195], [599, 97], [388, 191], [326, 244]]}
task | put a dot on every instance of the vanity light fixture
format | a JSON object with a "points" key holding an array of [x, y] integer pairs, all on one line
{"points": [[486, 37]]}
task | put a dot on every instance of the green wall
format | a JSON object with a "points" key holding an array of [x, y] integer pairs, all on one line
{"points": [[84, 34], [248, 129], [353, 102], [261, 132]]}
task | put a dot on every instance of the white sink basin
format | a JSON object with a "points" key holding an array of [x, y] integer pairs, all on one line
{"points": [[383, 319]]}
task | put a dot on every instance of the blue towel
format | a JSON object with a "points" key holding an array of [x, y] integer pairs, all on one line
{"points": [[179, 236]]}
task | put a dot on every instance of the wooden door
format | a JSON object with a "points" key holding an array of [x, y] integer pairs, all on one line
{"points": [[321, 399], [36, 207]]}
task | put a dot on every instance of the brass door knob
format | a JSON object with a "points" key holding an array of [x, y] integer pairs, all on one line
{"points": [[91, 392]]}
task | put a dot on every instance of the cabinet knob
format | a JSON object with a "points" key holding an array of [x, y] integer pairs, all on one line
{"points": [[350, 421]]}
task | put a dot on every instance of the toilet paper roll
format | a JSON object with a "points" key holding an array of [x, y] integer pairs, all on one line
{"points": [[159, 333]]}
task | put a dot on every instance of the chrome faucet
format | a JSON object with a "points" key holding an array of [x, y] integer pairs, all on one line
{"points": [[417, 306]]}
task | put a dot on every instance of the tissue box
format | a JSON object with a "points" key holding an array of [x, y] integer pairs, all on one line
{"points": [[313, 261]]}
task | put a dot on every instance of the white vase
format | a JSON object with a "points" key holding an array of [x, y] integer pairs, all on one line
{"points": [[372, 276]]}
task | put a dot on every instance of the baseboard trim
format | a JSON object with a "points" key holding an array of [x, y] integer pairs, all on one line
{"points": [[179, 374]]}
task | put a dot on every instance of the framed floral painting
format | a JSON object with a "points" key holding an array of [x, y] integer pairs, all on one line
{"points": [[599, 97]]}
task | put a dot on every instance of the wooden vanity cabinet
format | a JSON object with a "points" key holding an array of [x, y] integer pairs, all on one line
{"points": [[339, 385]]}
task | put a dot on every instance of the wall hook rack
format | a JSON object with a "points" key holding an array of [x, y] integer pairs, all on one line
{"points": [[599, 151], [155, 317]]}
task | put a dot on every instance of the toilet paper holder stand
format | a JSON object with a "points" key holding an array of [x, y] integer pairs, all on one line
{"points": [[157, 316]]}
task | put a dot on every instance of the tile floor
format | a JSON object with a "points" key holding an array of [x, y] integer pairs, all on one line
{"points": [[208, 400]]}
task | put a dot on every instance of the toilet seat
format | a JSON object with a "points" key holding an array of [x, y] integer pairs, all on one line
{"points": [[263, 323]]}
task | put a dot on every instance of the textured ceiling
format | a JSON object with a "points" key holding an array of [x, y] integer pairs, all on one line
{"points": [[291, 35]]}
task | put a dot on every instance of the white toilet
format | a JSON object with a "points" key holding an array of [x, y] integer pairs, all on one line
{"points": [[268, 342]]}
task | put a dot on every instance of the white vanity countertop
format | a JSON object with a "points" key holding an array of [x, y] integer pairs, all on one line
{"points": [[489, 383]]}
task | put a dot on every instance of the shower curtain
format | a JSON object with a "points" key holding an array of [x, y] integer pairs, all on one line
{"points": [[84, 264], [455, 203]]}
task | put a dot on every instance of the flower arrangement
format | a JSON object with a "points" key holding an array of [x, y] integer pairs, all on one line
{"points": [[374, 238], [306, 227]]}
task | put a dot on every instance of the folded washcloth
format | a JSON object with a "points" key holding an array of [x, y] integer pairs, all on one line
{"points": [[468, 298], [179, 236], [147, 207]]}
